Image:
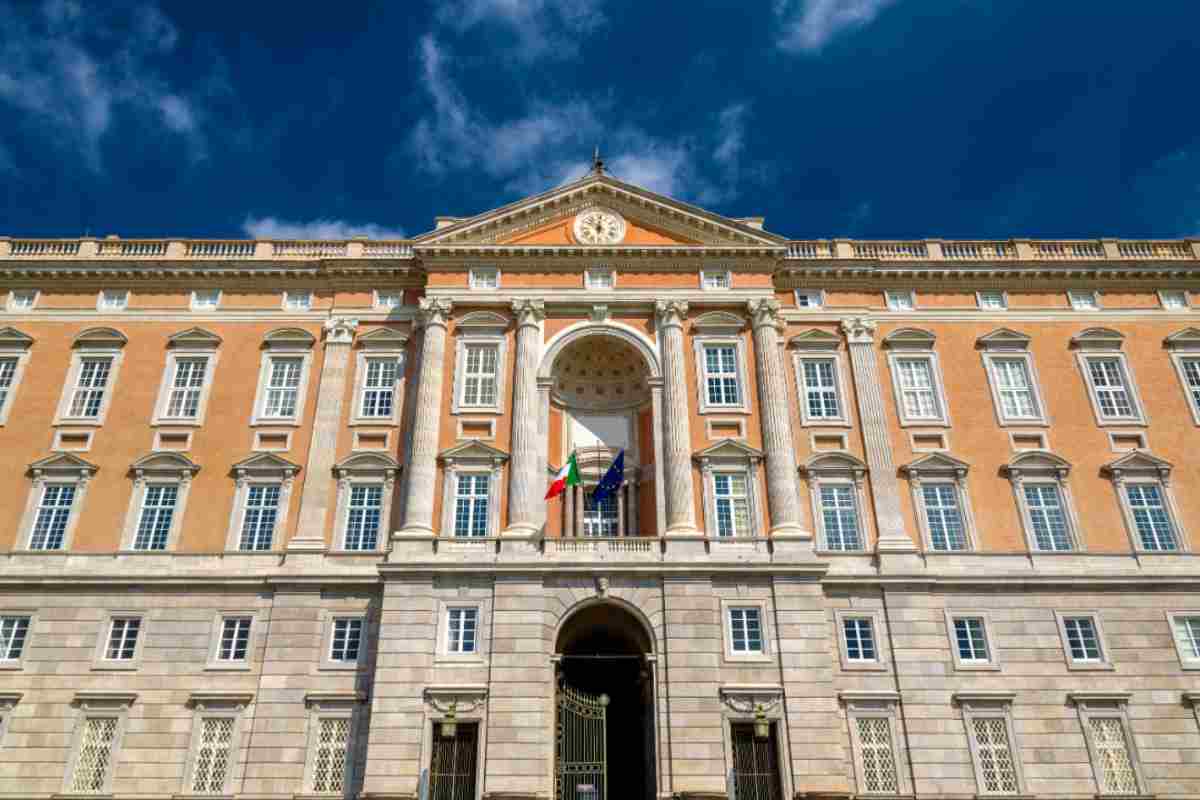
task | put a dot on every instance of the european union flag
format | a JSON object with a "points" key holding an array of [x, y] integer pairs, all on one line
{"points": [[612, 479]]}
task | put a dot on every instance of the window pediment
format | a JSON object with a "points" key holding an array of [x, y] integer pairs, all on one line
{"points": [[1003, 339], [289, 339], [383, 339], [719, 322], [727, 450], [62, 465], [1138, 462], [1186, 339], [265, 465], [910, 339], [100, 338], [936, 464], [473, 451], [161, 464], [827, 464], [374, 464], [1035, 462], [816, 340], [13, 339], [194, 338], [1097, 339], [482, 323]]}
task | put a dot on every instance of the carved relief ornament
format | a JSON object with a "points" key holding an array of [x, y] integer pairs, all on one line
{"points": [[670, 312], [433, 311], [859, 330], [528, 312]]}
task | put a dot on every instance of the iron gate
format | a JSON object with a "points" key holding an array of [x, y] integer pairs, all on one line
{"points": [[755, 765], [581, 771], [452, 765]]}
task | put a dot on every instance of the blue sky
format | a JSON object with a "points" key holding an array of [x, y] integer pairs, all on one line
{"points": [[863, 118]]}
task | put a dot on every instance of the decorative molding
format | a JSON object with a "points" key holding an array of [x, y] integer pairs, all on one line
{"points": [[750, 698], [910, 339], [194, 338], [1003, 339], [765, 312], [464, 698], [1097, 339], [433, 311], [528, 312], [340, 330], [100, 338], [670, 313], [289, 339]]}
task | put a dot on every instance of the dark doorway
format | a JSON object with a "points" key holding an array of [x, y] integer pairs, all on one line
{"points": [[755, 764], [603, 649], [452, 773]]}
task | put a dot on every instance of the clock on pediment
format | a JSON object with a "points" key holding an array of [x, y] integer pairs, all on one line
{"points": [[599, 226]]}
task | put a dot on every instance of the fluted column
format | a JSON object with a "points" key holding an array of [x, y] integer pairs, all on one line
{"points": [[524, 499], [885, 493], [433, 315], [783, 501], [680, 494], [316, 497]]}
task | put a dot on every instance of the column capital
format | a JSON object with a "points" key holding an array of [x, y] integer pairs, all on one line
{"points": [[671, 312], [434, 311], [764, 312], [340, 330], [528, 312], [859, 330]]}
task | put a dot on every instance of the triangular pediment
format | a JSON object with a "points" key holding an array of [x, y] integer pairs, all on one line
{"points": [[384, 339], [728, 449], [266, 462], [649, 220], [1037, 460], [815, 339], [472, 450], [367, 462], [63, 462], [936, 463], [1003, 339], [194, 337], [101, 337], [165, 462], [829, 463], [1137, 461]]}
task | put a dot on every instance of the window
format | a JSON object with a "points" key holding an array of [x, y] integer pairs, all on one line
{"points": [[859, 639], [112, 300], [379, 387], [1186, 629], [460, 630], [91, 376], [839, 513], [22, 300], [1151, 518], [1110, 388], [1047, 517], [87, 399], [331, 754], [721, 375], [8, 377], [820, 390], [297, 300], [988, 718], [347, 640], [122, 639], [283, 388], [992, 300], [600, 518], [1174, 299], [213, 755], [94, 756], [811, 299], [1082, 639], [873, 739], [919, 397], [944, 517], [388, 300], [1190, 367], [52, 515], [835, 483], [485, 278], [599, 278], [158, 512], [900, 299], [970, 640], [1114, 756], [745, 630], [205, 299], [363, 517], [1014, 388], [259, 517], [1084, 300], [479, 376], [711, 280], [471, 502], [187, 386], [14, 632], [731, 496], [233, 646]]}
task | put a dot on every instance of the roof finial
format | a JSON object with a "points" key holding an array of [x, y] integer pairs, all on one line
{"points": [[597, 162]]}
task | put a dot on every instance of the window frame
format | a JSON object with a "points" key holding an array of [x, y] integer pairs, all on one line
{"points": [[892, 295], [103, 295], [590, 274], [1187, 300], [241, 504], [940, 469], [372, 469], [1108, 705], [1187, 662], [1003, 299], [990, 357], [451, 505], [991, 705], [727, 279], [1104, 663], [471, 457], [104, 345], [700, 343], [366, 354], [61, 469], [31, 615], [158, 469], [802, 355], [479, 337], [379, 305], [193, 305], [211, 705], [331, 706], [201, 347], [97, 705], [992, 664], [1138, 417], [18, 347], [216, 664], [474, 274], [329, 627], [443, 654], [817, 294], [910, 344], [729, 457], [882, 661], [283, 343], [835, 468], [765, 651], [10, 302], [1077, 302], [287, 304], [879, 705], [100, 659], [1140, 468], [1184, 347], [1038, 467]]}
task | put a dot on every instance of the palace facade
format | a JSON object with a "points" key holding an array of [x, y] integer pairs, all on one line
{"points": [[906, 518]]}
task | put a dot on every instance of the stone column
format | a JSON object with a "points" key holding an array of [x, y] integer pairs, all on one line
{"points": [[783, 499], [525, 491], [433, 315], [677, 466], [316, 497], [885, 493]]}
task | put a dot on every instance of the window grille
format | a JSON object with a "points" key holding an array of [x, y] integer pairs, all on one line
{"points": [[821, 389], [1111, 388], [461, 624], [90, 386], [8, 373], [1115, 767], [756, 773], [479, 375], [452, 770], [721, 375], [379, 387], [471, 505], [997, 769], [50, 525], [283, 387], [839, 515], [186, 386], [363, 517], [258, 520], [971, 640], [600, 519], [213, 755], [917, 390], [1047, 516], [235, 639], [745, 630], [1187, 631], [1015, 388], [879, 769], [1082, 638], [946, 529], [859, 636], [1150, 517], [347, 639], [158, 510], [122, 639], [731, 491], [13, 633], [95, 754], [332, 753]]}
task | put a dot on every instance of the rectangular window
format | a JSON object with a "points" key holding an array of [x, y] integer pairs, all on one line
{"points": [[1187, 635], [388, 300], [599, 278], [283, 388], [820, 380], [379, 388], [1043, 501], [485, 278], [1083, 641], [214, 755], [122, 639], [600, 519], [809, 298], [942, 511], [53, 512], [331, 755], [731, 492], [90, 385], [299, 300], [113, 300], [899, 300], [158, 511], [471, 502], [839, 515], [918, 393], [347, 639], [1191, 374], [94, 760], [1174, 299], [994, 755], [1083, 300], [363, 517], [992, 301], [479, 375], [1114, 768], [460, 630], [721, 375], [1150, 517], [205, 299], [859, 633], [235, 639], [880, 774], [970, 638], [714, 279], [22, 299], [1111, 388], [8, 373], [187, 384], [258, 520], [14, 631], [745, 630], [1014, 387]]}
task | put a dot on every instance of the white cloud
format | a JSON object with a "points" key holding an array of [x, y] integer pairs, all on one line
{"points": [[275, 228], [540, 28], [808, 25], [73, 70]]}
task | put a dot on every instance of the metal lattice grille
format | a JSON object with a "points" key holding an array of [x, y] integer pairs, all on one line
{"points": [[329, 767], [879, 772], [95, 753], [755, 765], [997, 772], [452, 764], [581, 754], [213, 755], [1115, 767]]}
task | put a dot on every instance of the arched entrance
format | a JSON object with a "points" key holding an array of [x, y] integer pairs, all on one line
{"points": [[604, 706]]}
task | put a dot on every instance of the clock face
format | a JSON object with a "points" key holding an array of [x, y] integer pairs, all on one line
{"points": [[599, 227]]}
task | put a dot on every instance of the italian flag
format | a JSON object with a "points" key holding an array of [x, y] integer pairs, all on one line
{"points": [[567, 476]]}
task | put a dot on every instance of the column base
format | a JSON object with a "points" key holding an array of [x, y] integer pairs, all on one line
{"points": [[521, 540], [792, 543], [522, 530], [685, 543]]}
